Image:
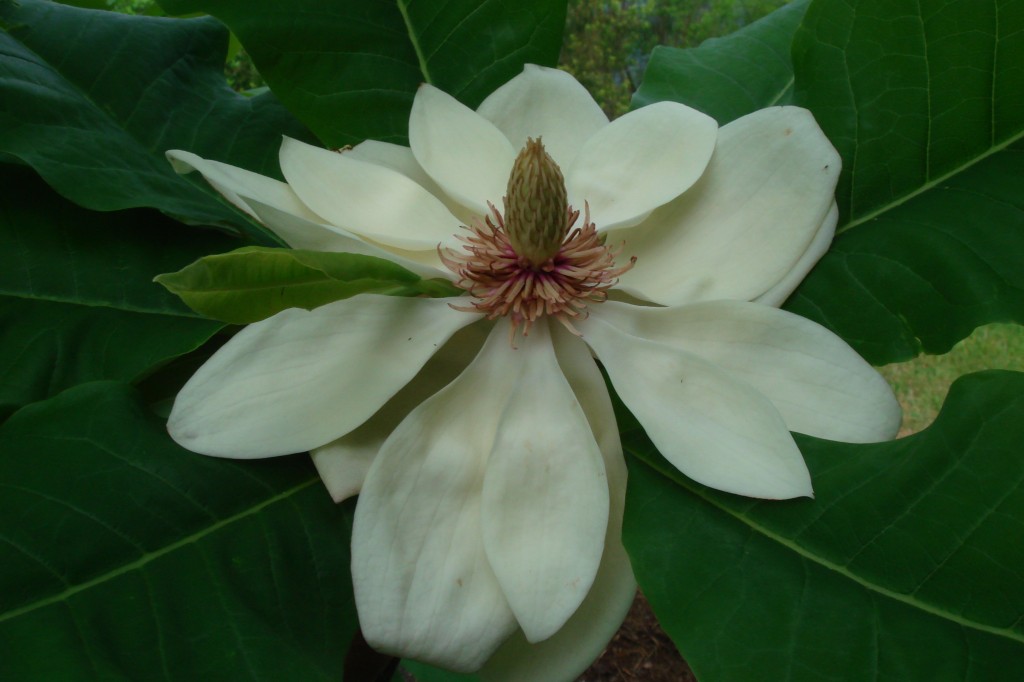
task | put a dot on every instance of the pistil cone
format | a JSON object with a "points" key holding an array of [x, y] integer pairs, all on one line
{"points": [[536, 204]]}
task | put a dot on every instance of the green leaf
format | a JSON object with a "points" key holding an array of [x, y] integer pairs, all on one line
{"points": [[253, 283], [78, 302], [349, 70], [88, 4], [728, 77], [127, 557], [925, 102], [96, 114], [907, 565]]}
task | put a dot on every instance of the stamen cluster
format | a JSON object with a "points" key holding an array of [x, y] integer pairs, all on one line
{"points": [[506, 283]]}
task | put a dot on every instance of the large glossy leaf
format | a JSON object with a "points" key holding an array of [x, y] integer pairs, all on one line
{"points": [[925, 102], [730, 76], [349, 69], [127, 557], [908, 566], [253, 283], [92, 100], [77, 301]]}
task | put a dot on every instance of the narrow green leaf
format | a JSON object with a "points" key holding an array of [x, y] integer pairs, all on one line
{"points": [[907, 565], [253, 283], [127, 557], [925, 102], [94, 115], [77, 301], [728, 77], [349, 70]]}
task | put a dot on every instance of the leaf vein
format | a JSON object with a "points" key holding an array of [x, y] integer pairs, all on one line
{"points": [[148, 558]]}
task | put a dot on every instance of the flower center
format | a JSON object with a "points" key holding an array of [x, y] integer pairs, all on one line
{"points": [[534, 261]]}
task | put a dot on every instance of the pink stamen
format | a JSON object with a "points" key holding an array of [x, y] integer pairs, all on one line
{"points": [[505, 284]]}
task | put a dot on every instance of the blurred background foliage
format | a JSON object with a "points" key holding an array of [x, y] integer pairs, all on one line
{"points": [[606, 47], [607, 42]]}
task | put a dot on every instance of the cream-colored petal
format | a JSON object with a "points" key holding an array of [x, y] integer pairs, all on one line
{"points": [[236, 183], [343, 463], [569, 652], [300, 233], [401, 159], [393, 156], [546, 103], [545, 497], [819, 385], [747, 222], [640, 162], [778, 294], [715, 429], [423, 585], [461, 150], [303, 378], [364, 198]]}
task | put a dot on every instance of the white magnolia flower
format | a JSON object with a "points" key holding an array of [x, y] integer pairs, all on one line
{"points": [[490, 473]]}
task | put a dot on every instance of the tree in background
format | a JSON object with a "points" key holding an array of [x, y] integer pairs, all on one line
{"points": [[607, 42], [603, 49]]}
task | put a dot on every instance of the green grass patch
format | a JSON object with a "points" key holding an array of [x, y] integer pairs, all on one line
{"points": [[922, 383]]}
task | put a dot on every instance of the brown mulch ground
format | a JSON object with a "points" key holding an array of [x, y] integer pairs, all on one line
{"points": [[639, 652]]}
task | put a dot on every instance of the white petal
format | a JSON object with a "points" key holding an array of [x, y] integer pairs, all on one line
{"points": [[302, 378], [462, 151], [545, 499], [713, 428], [573, 648], [365, 198], [547, 103], [393, 156], [639, 162], [819, 385], [745, 225], [343, 463], [401, 159], [423, 586], [300, 233], [581, 372], [237, 183], [778, 294]]}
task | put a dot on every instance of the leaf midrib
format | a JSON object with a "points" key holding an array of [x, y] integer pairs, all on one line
{"points": [[898, 201], [152, 556], [825, 563], [369, 282], [404, 10]]}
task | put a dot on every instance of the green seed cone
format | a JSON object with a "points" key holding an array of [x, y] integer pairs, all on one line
{"points": [[536, 204]]}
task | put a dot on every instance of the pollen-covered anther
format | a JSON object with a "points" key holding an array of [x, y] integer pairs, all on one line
{"points": [[507, 284]]}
